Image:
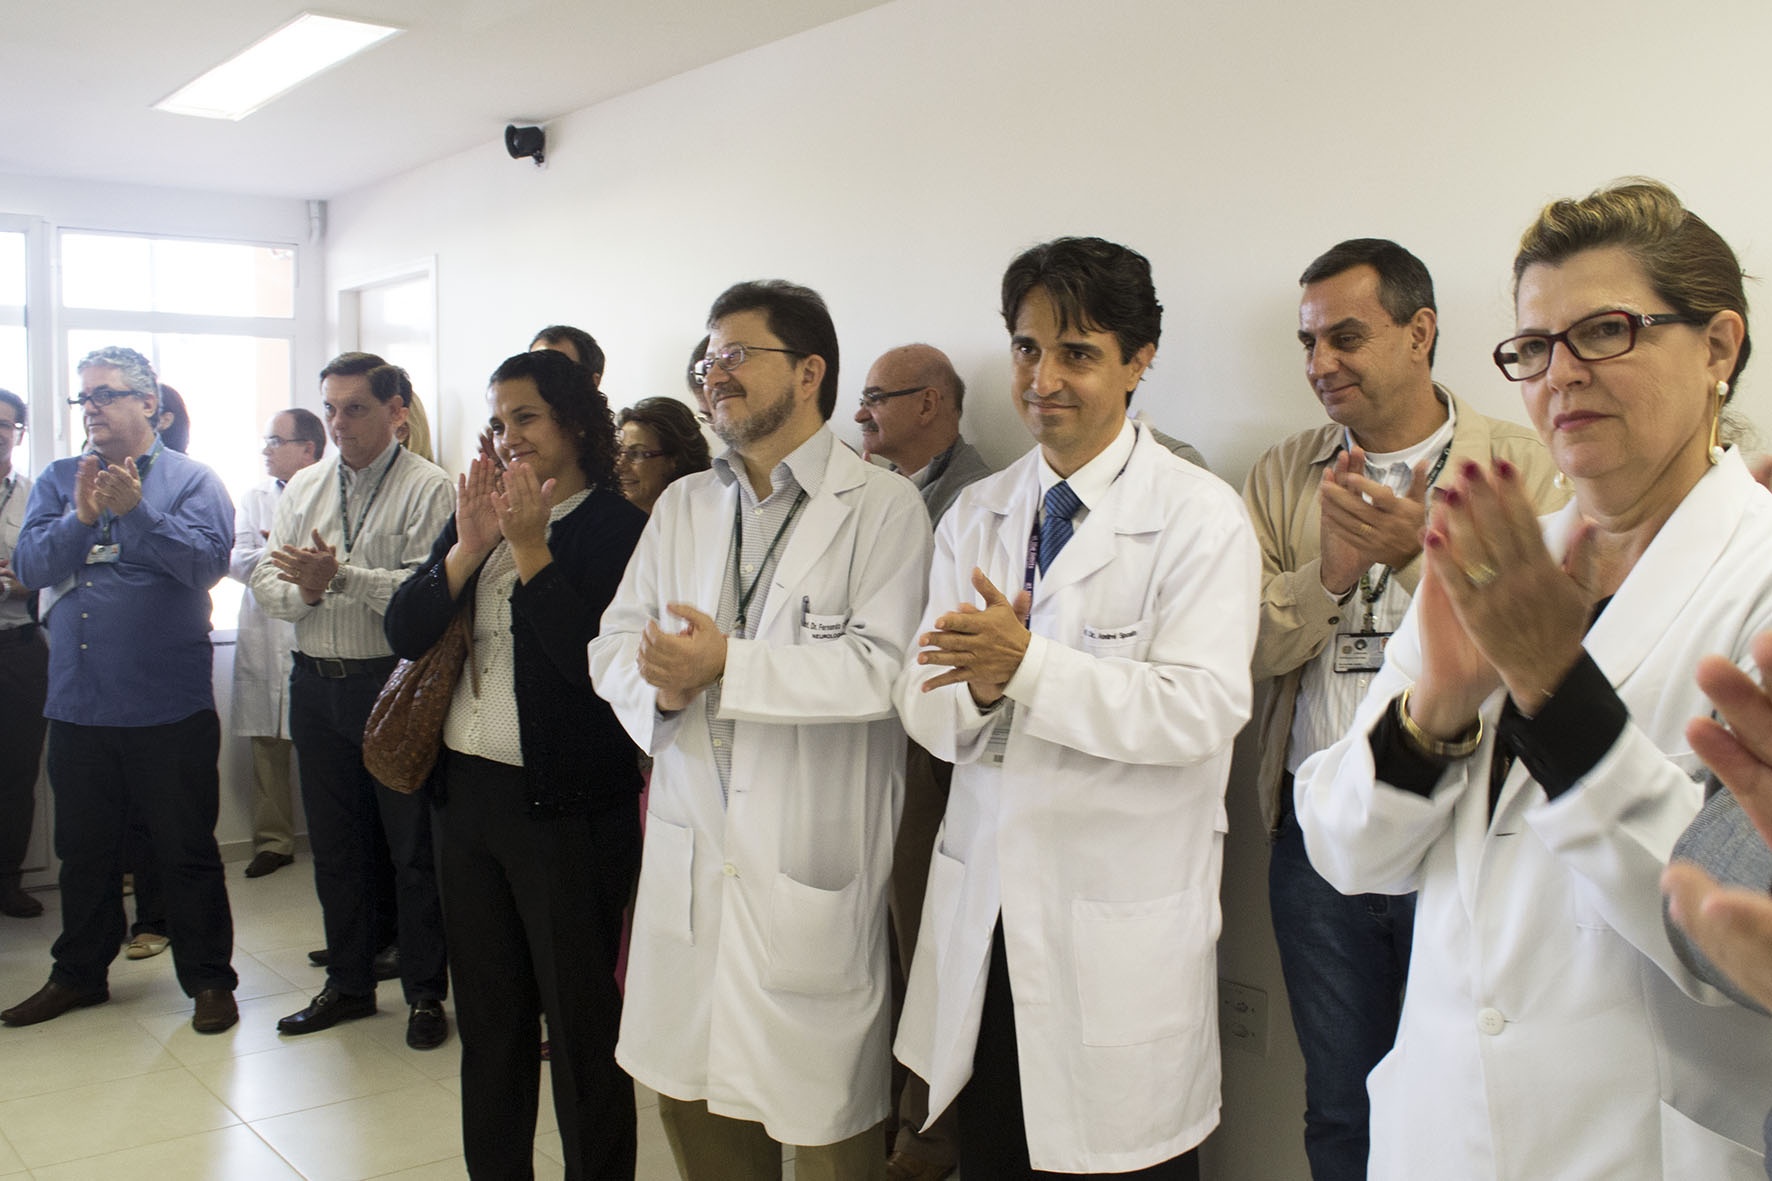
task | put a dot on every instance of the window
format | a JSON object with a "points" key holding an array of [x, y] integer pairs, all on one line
{"points": [[217, 319]]}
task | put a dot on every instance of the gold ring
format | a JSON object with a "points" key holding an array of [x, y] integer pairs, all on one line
{"points": [[1481, 574], [1365, 528]]}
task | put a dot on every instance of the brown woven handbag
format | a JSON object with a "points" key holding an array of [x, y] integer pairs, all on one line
{"points": [[404, 734]]}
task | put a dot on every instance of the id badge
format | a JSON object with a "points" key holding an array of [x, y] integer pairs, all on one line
{"points": [[1360, 652], [996, 747], [105, 555]]}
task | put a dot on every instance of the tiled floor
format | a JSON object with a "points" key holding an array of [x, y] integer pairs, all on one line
{"points": [[127, 1090]]}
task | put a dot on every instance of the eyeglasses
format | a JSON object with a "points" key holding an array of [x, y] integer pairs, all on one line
{"points": [[732, 356], [278, 441], [874, 400], [102, 397], [1599, 337], [633, 455], [11, 426]]}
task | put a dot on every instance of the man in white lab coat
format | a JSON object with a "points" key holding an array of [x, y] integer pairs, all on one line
{"points": [[751, 650], [1085, 664], [262, 654]]}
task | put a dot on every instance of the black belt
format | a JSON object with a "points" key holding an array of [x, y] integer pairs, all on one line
{"points": [[17, 635], [333, 668]]}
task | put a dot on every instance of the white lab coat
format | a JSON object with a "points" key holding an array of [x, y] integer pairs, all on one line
{"points": [[757, 975], [1100, 838], [1548, 1028], [263, 644]]}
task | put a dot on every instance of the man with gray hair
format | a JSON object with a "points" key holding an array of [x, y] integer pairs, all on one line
{"points": [[128, 538]]}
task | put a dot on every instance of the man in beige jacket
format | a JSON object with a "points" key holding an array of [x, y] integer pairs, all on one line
{"points": [[1339, 511]]}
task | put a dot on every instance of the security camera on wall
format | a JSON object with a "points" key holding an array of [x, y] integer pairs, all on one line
{"points": [[526, 141]]}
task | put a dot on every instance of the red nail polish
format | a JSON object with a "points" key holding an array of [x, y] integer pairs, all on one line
{"points": [[1471, 470], [1454, 498], [1504, 469]]}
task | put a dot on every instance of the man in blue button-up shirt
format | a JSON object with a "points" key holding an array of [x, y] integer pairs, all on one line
{"points": [[126, 541]]}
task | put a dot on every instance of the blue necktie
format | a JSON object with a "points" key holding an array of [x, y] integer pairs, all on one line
{"points": [[1055, 527]]}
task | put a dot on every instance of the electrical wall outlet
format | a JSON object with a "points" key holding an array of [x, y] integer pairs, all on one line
{"points": [[1242, 1017]]}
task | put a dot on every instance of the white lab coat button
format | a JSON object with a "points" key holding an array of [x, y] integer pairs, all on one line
{"points": [[729, 869], [1491, 1022], [83, 647]]}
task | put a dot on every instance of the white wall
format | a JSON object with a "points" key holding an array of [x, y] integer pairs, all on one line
{"points": [[896, 160]]}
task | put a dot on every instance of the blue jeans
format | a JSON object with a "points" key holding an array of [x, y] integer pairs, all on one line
{"points": [[1345, 960]]}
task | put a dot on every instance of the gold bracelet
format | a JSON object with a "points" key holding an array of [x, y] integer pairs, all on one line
{"points": [[1427, 744]]}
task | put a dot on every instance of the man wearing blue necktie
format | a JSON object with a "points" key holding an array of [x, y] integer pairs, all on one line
{"points": [[1084, 663]]}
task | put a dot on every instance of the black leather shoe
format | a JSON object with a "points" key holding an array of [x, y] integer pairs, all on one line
{"points": [[266, 862], [17, 903], [428, 1027], [327, 1010], [386, 965], [50, 1002]]}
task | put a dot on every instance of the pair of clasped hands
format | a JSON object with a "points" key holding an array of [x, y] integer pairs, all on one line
{"points": [[1494, 606], [116, 489]]}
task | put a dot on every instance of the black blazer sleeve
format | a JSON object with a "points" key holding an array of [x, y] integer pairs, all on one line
{"points": [[421, 607]]}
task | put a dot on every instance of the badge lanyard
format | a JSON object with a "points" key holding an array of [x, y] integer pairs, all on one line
{"points": [[745, 594], [1370, 593], [344, 507]]}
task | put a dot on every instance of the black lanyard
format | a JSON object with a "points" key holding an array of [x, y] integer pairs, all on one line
{"points": [[344, 507], [745, 594], [1369, 593]]}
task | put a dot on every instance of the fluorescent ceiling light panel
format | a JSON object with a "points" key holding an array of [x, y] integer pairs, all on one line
{"points": [[271, 68]]}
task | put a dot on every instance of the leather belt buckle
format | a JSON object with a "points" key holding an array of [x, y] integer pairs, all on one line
{"points": [[330, 667]]}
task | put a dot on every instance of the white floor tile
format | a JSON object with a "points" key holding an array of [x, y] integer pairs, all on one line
{"points": [[368, 1137], [110, 1116], [225, 1155], [311, 1072]]}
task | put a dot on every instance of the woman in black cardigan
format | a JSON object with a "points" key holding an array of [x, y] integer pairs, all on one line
{"points": [[539, 836]]}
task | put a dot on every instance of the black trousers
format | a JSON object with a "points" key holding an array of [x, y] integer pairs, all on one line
{"points": [[993, 1129], [351, 820], [24, 683], [534, 909], [167, 775]]}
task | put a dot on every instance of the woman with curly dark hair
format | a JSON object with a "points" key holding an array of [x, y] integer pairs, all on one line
{"points": [[539, 836], [660, 442]]}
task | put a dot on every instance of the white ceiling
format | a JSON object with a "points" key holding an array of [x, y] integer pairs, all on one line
{"points": [[80, 78]]}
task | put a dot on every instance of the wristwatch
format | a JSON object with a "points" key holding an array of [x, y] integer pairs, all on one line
{"points": [[337, 585]]}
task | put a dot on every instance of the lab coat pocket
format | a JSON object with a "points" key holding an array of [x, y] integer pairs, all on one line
{"points": [[817, 938], [1142, 967], [1129, 641], [667, 903], [941, 909], [1689, 1149]]}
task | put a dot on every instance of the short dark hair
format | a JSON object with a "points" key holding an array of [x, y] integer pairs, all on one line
{"points": [[1404, 285], [1095, 285], [177, 434], [695, 358], [578, 405], [674, 424], [590, 353], [17, 403], [385, 380], [308, 429], [798, 316]]}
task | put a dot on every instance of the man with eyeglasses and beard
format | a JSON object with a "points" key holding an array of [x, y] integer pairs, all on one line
{"points": [[751, 649], [128, 539]]}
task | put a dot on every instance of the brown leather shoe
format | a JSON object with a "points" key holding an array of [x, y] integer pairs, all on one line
{"points": [[215, 1011], [902, 1166], [265, 862], [50, 1002]]}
